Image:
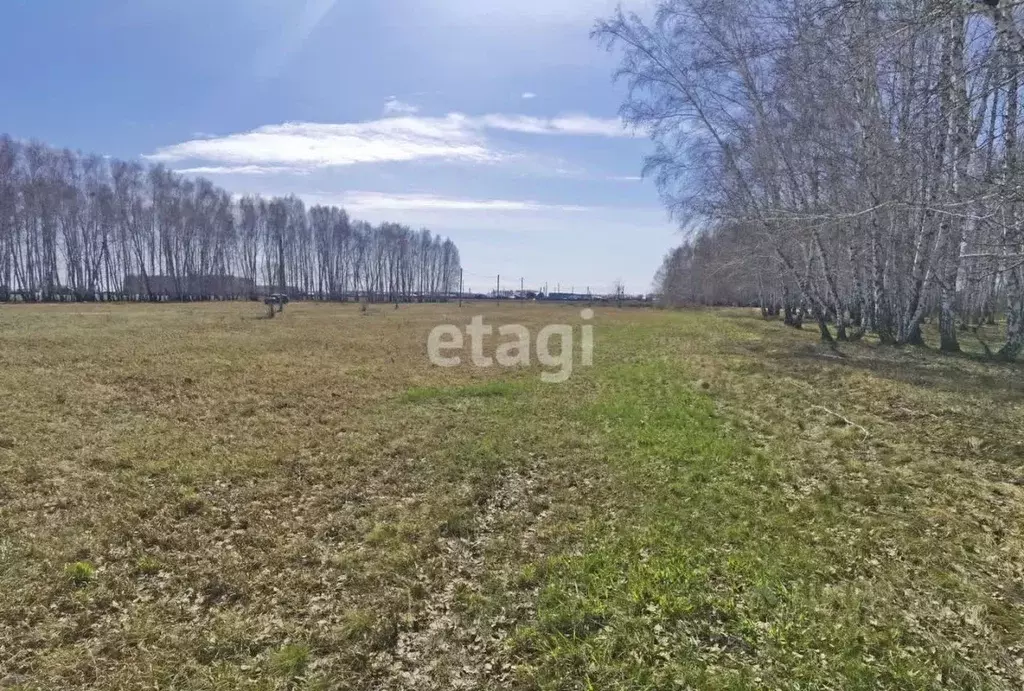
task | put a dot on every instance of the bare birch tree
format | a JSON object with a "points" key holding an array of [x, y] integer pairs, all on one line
{"points": [[869, 149], [87, 228]]}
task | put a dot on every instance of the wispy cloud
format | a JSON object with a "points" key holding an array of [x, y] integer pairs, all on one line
{"points": [[582, 125], [375, 201], [527, 95], [316, 145], [395, 107], [240, 170], [304, 145]]}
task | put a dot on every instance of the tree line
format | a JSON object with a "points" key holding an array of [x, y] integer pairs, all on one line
{"points": [[857, 163], [84, 227]]}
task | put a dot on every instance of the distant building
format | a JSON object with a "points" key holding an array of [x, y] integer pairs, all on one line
{"points": [[209, 286]]}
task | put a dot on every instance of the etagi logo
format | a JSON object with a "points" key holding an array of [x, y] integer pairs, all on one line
{"points": [[515, 352]]}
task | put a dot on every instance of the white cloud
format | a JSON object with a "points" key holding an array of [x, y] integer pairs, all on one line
{"points": [[239, 170], [375, 201], [625, 178], [306, 145], [316, 145], [563, 124], [528, 95], [395, 107]]}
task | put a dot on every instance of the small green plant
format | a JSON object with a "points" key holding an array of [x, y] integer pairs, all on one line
{"points": [[80, 573], [291, 660], [147, 565], [529, 576]]}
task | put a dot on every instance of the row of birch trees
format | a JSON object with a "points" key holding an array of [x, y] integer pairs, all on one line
{"points": [[855, 161], [76, 227]]}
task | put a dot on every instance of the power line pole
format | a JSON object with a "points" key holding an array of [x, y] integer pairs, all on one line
{"points": [[522, 293], [497, 291], [460, 287]]}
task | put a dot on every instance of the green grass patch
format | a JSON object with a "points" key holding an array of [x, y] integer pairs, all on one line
{"points": [[491, 389], [704, 569]]}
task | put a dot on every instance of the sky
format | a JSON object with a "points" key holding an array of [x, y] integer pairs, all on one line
{"points": [[493, 123]]}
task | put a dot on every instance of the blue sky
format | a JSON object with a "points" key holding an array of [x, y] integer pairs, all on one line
{"points": [[491, 122]]}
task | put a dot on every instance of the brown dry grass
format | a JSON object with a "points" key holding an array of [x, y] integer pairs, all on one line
{"points": [[306, 502]]}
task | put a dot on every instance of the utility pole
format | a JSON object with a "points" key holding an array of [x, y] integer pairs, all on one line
{"points": [[460, 286], [497, 291], [522, 293]]}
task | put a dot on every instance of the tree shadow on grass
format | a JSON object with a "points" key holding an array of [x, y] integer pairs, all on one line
{"points": [[966, 373]]}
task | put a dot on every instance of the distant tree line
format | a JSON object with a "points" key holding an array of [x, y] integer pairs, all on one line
{"points": [[86, 228], [859, 163]]}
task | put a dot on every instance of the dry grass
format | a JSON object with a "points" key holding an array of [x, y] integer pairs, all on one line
{"points": [[193, 497]]}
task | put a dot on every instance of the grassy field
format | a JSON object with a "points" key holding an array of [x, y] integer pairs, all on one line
{"points": [[192, 497]]}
